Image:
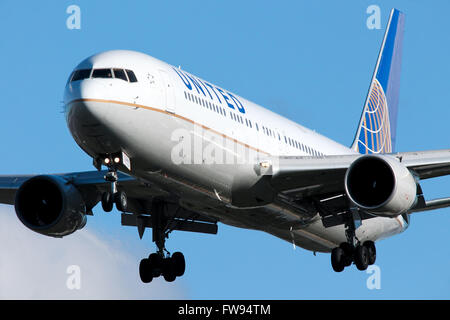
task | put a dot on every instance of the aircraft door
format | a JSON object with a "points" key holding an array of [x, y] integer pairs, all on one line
{"points": [[168, 92]]}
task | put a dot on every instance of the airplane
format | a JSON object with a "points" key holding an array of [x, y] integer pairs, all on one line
{"points": [[175, 152]]}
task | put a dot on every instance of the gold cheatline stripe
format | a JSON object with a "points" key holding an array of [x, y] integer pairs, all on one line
{"points": [[170, 114]]}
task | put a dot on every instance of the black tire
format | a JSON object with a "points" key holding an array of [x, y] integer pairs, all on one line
{"points": [[169, 270], [348, 251], [179, 263], [145, 271], [121, 201], [361, 257], [338, 259], [156, 262], [370, 245], [107, 202]]}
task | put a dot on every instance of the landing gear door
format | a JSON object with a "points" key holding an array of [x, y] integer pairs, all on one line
{"points": [[169, 93]]}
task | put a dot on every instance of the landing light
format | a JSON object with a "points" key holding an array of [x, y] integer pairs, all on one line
{"points": [[107, 161], [116, 159]]}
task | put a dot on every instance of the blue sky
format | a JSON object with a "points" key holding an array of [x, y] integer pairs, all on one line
{"points": [[308, 60]]}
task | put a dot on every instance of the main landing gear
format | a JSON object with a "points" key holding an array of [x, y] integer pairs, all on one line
{"points": [[161, 262], [353, 251], [362, 255]]}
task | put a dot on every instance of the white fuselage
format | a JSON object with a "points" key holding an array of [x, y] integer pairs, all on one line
{"points": [[201, 143]]}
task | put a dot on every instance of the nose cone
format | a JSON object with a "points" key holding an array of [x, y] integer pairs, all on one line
{"points": [[89, 89], [87, 110], [82, 102]]}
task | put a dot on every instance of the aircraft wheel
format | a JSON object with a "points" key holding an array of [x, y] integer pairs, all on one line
{"points": [[338, 259], [372, 251], [121, 201], [179, 263], [348, 253], [107, 202], [361, 257], [156, 262], [169, 270], [145, 271]]}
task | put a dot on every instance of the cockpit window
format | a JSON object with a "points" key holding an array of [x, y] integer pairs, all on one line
{"points": [[102, 73], [126, 75], [131, 76], [70, 77], [120, 74], [81, 74]]}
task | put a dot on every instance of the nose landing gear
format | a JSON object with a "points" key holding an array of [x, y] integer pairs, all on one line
{"points": [[109, 198]]}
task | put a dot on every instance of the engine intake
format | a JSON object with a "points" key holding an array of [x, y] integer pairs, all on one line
{"points": [[381, 185], [50, 206]]}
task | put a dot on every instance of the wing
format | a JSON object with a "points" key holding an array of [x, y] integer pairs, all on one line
{"points": [[140, 194], [307, 175], [321, 180]]}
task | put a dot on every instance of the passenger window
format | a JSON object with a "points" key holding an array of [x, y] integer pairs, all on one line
{"points": [[81, 74], [120, 74], [102, 73], [131, 76]]}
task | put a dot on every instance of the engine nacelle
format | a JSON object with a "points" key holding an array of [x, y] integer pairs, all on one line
{"points": [[50, 206], [381, 185]]}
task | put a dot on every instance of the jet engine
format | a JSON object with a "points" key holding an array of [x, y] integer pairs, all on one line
{"points": [[381, 185], [50, 206]]}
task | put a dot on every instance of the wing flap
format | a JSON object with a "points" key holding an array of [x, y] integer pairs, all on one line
{"points": [[308, 176], [144, 221], [427, 164]]}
